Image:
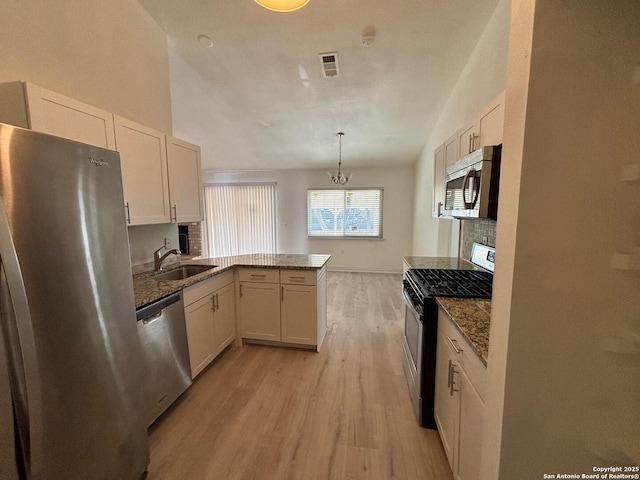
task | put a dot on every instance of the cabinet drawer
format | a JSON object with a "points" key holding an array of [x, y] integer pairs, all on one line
{"points": [[467, 358], [207, 287], [265, 275], [302, 277]]}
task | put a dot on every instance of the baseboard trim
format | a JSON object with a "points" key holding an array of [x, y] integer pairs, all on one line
{"points": [[363, 270]]}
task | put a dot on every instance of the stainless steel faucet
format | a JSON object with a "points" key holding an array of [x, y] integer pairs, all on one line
{"points": [[158, 259]]}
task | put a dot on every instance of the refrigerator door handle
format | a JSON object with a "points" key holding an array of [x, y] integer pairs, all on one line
{"points": [[21, 354]]}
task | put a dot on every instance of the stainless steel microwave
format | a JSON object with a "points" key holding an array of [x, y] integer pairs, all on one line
{"points": [[471, 185]]}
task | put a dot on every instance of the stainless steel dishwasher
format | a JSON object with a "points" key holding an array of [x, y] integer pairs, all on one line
{"points": [[163, 334]]}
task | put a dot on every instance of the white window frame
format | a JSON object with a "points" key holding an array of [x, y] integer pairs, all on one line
{"points": [[380, 235]]}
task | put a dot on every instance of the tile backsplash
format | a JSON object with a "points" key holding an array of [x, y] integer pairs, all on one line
{"points": [[482, 230]]}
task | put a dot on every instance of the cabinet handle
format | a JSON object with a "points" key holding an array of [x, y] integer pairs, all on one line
{"points": [[282, 294], [449, 374], [258, 275], [453, 344], [470, 143], [175, 213], [126, 207], [473, 143], [439, 209], [241, 290], [297, 279], [217, 302], [453, 381]]}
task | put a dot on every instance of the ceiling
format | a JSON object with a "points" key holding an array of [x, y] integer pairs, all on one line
{"points": [[257, 98]]}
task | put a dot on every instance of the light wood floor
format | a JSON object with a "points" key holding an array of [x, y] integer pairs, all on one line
{"points": [[262, 412]]}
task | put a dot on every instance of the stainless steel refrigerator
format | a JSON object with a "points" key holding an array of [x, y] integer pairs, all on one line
{"points": [[70, 357]]}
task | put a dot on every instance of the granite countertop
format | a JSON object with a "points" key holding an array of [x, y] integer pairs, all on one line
{"points": [[146, 289], [445, 263], [472, 318]]}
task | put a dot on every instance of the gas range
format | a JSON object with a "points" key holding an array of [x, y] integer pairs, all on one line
{"points": [[421, 286]]}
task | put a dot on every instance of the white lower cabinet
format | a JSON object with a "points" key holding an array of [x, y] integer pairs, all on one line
{"points": [[199, 320], [470, 430], [459, 406], [286, 306], [446, 399], [260, 311], [224, 317], [210, 318], [298, 314]]}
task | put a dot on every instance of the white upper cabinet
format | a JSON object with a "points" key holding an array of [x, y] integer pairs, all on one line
{"points": [[30, 106], [161, 175], [185, 182], [485, 129], [143, 157], [490, 123], [451, 151]]}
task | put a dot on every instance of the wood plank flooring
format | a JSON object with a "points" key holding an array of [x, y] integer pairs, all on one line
{"points": [[261, 412]]}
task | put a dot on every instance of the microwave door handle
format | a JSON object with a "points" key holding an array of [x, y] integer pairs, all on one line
{"points": [[467, 177], [15, 320], [476, 190]]}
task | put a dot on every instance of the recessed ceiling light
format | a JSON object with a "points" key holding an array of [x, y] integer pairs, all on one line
{"points": [[282, 5], [205, 41]]}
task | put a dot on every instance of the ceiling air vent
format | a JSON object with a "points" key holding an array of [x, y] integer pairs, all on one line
{"points": [[329, 62]]}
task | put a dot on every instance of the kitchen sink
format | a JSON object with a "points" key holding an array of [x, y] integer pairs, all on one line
{"points": [[183, 272]]}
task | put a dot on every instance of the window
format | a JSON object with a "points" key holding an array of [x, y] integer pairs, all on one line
{"points": [[239, 219], [355, 212]]}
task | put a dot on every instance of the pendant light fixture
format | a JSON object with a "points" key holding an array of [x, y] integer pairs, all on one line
{"points": [[340, 178], [282, 5]]}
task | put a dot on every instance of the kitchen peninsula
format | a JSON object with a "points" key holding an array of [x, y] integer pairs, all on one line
{"points": [[273, 299]]}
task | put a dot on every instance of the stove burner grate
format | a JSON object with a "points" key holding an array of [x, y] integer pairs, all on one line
{"points": [[453, 283]]}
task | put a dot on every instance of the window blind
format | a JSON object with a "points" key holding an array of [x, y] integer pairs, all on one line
{"points": [[345, 212], [239, 219]]}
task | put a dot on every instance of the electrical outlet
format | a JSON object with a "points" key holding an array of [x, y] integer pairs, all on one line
{"points": [[167, 242], [485, 240]]}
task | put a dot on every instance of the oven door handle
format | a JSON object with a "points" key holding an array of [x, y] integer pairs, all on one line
{"points": [[409, 303]]}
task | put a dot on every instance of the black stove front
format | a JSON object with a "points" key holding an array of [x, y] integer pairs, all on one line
{"points": [[421, 287]]}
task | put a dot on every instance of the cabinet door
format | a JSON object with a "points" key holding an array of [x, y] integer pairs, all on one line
{"points": [[438, 181], [321, 307], [466, 140], [224, 317], [200, 334], [451, 151], [469, 449], [446, 399], [55, 114], [298, 315], [185, 182], [490, 123], [260, 311], [143, 159]]}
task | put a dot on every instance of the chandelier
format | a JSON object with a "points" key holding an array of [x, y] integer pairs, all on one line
{"points": [[282, 5], [340, 178]]}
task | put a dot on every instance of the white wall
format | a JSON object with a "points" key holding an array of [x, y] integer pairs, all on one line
{"points": [[482, 79], [564, 358], [145, 239], [353, 254], [110, 54]]}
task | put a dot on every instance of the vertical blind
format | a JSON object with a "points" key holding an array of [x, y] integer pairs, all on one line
{"points": [[239, 219], [345, 212]]}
